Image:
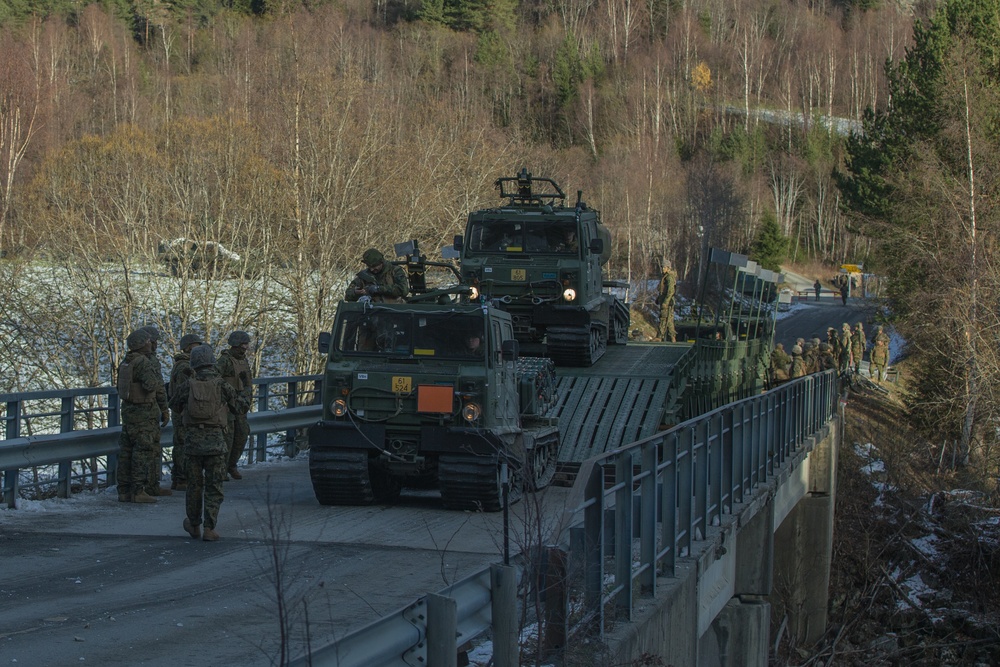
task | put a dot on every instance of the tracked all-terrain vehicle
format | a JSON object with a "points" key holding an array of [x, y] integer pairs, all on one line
{"points": [[430, 394], [542, 261]]}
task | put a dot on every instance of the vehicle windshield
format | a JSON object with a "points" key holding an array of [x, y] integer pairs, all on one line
{"points": [[501, 236], [408, 334]]}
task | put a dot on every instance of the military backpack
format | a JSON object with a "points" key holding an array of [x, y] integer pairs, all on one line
{"points": [[205, 406]]}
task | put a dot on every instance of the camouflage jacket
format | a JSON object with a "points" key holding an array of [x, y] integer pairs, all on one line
{"points": [[181, 372], [237, 373], [161, 391], [667, 288], [208, 440], [391, 283], [780, 359], [880, 351], [858, 344], [144, 375], [798, 367]]}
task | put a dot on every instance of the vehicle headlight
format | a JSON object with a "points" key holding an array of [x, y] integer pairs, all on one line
{"points": [[473, 292], [569, 294], [339, 407], [471, 412]]}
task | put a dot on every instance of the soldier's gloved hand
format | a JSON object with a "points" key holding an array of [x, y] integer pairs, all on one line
{"points": [[164, 418], [372, 290]]}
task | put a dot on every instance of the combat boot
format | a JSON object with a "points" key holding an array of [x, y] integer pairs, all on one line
{"points": [[192, 530], [161, 491], [143, 497], [210, 535], [234, 473], [124, 497]]}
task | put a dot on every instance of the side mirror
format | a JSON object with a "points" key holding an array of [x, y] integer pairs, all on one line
{"points": [[509, 349], [323, 344], [459, 242], [596, 247]]}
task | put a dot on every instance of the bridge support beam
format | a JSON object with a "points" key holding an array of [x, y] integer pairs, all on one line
{"points": [[804, 547], [738, 637]]}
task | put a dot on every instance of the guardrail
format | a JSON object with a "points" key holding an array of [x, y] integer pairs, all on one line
{"points": [[691, 475], [82, 426]]}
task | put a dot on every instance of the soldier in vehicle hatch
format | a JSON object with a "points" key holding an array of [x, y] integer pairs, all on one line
{"points": [[139, 385], [381, 282], [234, 368], [206, 402]]}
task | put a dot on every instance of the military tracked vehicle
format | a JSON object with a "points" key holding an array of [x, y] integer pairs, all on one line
{"points": [[542, 260], [430, 394]]}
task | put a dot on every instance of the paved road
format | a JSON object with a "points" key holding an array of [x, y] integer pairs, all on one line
{"points": [[811, 317], [91, 580]]}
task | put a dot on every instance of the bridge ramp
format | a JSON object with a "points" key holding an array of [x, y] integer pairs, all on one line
{"points": [[624, 397]]}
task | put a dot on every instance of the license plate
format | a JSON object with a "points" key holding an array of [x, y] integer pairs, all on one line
{"points": [[402, 384], [518, 274]]}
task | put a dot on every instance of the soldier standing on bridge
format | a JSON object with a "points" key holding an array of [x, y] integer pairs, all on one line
{"points": [[140, 388], [879, 359], [665, 300], [154, 489], [179, 375], [206, 404], [235, 369]]}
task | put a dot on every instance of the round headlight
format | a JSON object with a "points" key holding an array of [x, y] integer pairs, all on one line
{"points": [[569, 294], [471, 412], [339, 407], [473, 292]]}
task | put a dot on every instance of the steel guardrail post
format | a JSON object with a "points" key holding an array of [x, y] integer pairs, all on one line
{"points": [[503, 584], [700, 479], [668, 505], [593, 559], [442, 628], [623, 535], [647, 517], [260, 451]]}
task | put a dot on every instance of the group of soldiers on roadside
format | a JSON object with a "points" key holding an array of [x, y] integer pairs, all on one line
{"points": [[209, 400], [843, 350]]}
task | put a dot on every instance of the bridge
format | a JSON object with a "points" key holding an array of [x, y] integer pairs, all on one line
{"points": [[682, 545]]}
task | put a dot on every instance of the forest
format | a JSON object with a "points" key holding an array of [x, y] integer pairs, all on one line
{"points": [[299, 133]]}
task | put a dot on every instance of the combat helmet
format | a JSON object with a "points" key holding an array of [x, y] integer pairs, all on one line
{"points": [[796, 349], [189, 339], [154, 333], [203, 355], [372, 257], [137, 339], [238, 338]]}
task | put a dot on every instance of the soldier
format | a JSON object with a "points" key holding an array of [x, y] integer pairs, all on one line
{"points": [[139, 386], [179, 375], [826, 360], [667, 290], [845, 362], [780, 362], [880, 354], [798, 368], [378, 282], [858, 342], [235, 369], [810, 357], [818, 286], [154, 488], [204, 402]]}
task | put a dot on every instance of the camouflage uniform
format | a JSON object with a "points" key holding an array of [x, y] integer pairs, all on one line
{"points": [[161, 398], [667, 291], [386, 284], [858, 346], [826, 360], [780, 361], [141, 415], [206, 447], [179, 375], [879, 355], [798, 368], [845, 362], [234, 368]]}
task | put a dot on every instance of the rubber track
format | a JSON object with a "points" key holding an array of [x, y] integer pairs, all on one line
{"points": [[340, 476], [570, 346], [470, 483]]}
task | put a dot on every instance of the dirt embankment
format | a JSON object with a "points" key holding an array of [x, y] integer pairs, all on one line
{"points": [[916, 563]]}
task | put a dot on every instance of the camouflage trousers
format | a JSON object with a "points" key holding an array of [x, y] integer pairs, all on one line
{"points": [[178, 469], [205, 475], [665, 328], [237, 433], [877, 370], [139, 445]]}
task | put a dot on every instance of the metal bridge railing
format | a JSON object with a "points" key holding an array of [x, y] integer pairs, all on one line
{"points": [[633, 513], [68, 438]]}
